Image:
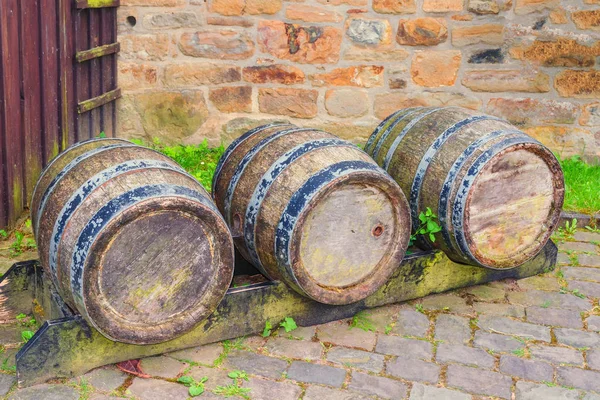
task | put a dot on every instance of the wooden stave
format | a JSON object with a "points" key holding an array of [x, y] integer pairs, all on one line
{"points": [[58, 163], [72, 181], [265, 236], [404, 169], [208, 207]]}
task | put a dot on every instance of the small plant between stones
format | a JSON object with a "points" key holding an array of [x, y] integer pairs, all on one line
{"points": [[362, 321], [195, 388], [234, 389], [428, 226], [288, 324]]}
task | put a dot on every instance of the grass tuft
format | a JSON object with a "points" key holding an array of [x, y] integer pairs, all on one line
{"points": [[582, 181]]}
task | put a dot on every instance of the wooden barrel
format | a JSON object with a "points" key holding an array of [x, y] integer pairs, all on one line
{"points": [[313, 211], [497, 192], [131, 241]]}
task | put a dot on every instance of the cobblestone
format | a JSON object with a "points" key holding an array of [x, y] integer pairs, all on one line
{"points": [[411, 323], [575, 338], [340, 334], [6, 382], [46, 392], [582, 273], [487, 293], [464, 355], [548, 299], [105, 379], [265, 389], [532, 391], [530, 370], [554, 317], [593, 359], [398, 346], [414, 370], [294, 348], [499, 309], [478, 381], [202, 354], [579, 378], [321, 393], [452, 328], [446, 301], [588, 260], [153, 389], [495, 342], [556, 355], [256, 364], [162, 367], [517, 328], [424, 392], [379, 386], [314, 373], [356, 359], [589, 289]]}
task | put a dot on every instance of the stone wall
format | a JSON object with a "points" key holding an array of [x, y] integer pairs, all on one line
{"points": [[195, 69]]}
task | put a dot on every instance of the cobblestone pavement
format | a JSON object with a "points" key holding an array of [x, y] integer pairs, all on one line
{"points": [[537, 338]]}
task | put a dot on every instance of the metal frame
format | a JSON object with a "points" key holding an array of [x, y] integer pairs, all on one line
{"points": [[66, 345]]}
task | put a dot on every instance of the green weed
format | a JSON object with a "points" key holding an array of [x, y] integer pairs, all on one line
{"points": [[195, 388], [232, 391], [200, 161], [268, 328], [428, 226], [361, 321], [581, 185], [519, 352], [419, 308], [288, 324]]}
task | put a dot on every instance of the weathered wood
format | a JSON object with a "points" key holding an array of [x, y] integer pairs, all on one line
{"points": [[312, 210], [70, 347], [97, 3], [131, 240], [97, 52], [96, 102], [498, 193]]}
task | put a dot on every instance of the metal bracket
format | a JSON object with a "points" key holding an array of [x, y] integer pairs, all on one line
{"points": [[69, 346]]}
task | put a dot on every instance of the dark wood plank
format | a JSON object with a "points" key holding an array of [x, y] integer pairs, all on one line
{"points": [[99, 101], [82, 4], [32, 95], [107, 65], [3, 183], [9, 24], [95, 71], [82, 71], [49, 78], [67, 49], [97, 52]]}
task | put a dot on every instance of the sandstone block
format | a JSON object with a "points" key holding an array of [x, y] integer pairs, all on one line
{"points": [[311, 13], [530, 6], [299, 103], [346, 103], [527, 111], [435, 68], [559, 53], [232, 99], [506, 81], [240, 7], [361, 76], [197, 74], [302, 44], [395, 6], [422, 31], [587, 19], [225, 45], [487, 33], [442, 6], [283, 74], [134, 76], [145, 47], [369, 32], [577, 83]]}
